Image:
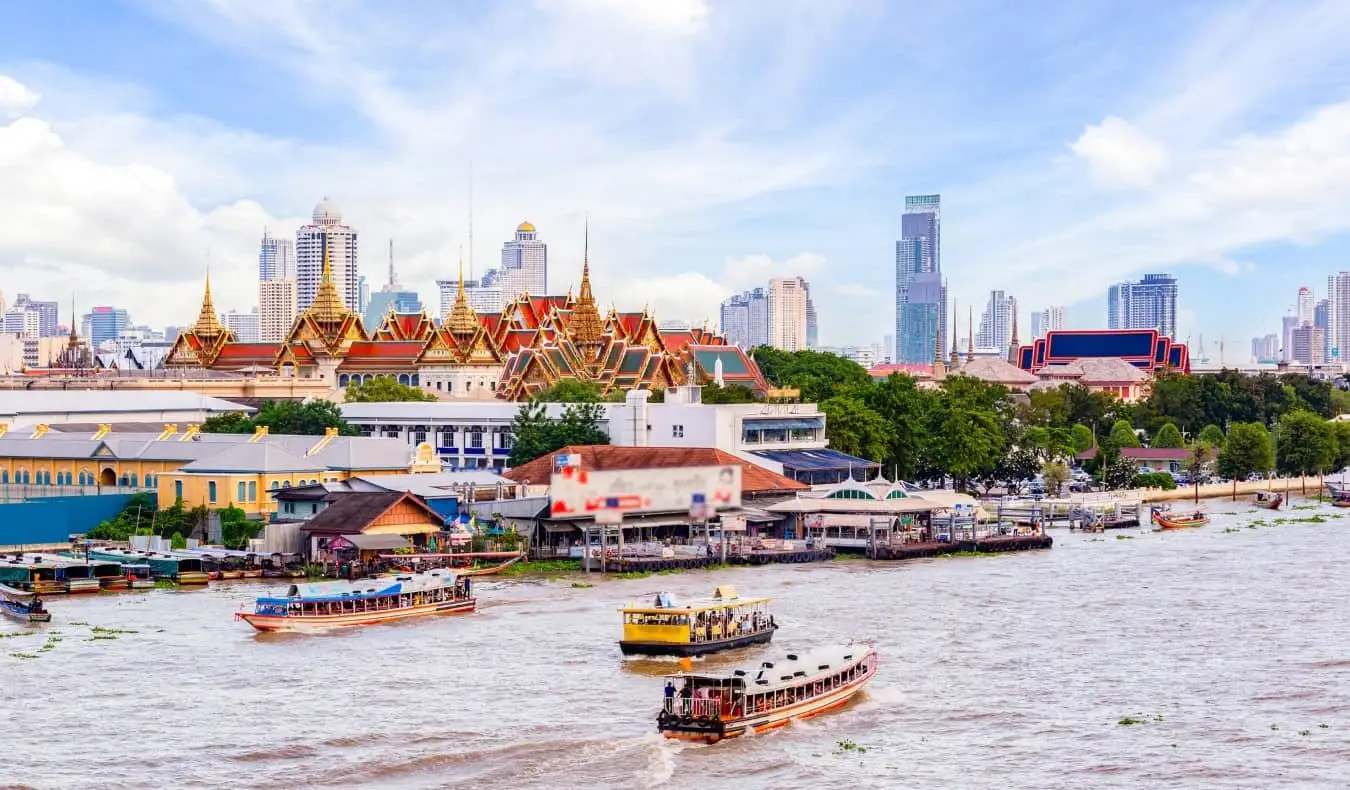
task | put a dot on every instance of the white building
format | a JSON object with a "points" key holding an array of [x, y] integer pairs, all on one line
{"points": [[244, 325], [524, 265], [788, 313], [482, 299], [327, 231], [276, 258], [478, 435], [995, 332], [1338, 315], [276, 309], [867, 356], [24, 323], [1043, 321]]}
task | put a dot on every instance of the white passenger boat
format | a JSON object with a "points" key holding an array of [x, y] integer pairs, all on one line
{"points": [[709, 707], [325, 605]]}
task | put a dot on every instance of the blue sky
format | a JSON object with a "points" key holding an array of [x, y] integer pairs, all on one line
{"points": [[714, 144]]}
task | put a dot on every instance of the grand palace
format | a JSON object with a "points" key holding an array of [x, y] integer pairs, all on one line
{"points": [[533, 343]]}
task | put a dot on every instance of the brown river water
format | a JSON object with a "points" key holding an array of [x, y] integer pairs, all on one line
{"points": [[1231, 647]]}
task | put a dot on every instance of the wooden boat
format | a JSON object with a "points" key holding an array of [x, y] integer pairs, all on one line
{"points": [[139, 576], [710, 707], [1268, 500], [722, 622], [168, 567], [23, 605], [462, 564], [77, 574], [32, 576], [1166, 519], [1341, 500], [380, 599]]}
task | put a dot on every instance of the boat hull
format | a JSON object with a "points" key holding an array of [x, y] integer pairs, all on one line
{"points": [[714, 731], [114, 583], [77, 586], [25, 616], [193, 578], [691, 649], [1272, 505], [142, 584], [272, 623]]}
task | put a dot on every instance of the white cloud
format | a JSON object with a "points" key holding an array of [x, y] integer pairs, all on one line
{"points": [[753, 271], [673, 16], [15, 97], [1119, 154]]}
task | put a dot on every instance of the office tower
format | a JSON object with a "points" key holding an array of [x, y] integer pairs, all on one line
{"points": [[524, 264], [244, 325], [1322, 320], [276, 258], [171, 333], [1042, 321], [920, 327], [1150, 303], [1309, 345], [1338, 314], [995, 332], [745, 319], [48, 313], [393, 297], [276, 309], [1288, 324], [363, 293], [787, 313], [1266, 349], [887, 348], [484, 295], [21, 322], [1306, 303], [919, 251], [812, 328], [327, 230], [105, 323]]}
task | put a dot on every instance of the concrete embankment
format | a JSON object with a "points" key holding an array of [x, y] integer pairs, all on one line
{"points": [[1289, 486]]}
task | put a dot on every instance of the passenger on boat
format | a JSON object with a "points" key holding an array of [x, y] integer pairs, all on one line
{"points": [[670, 689]]}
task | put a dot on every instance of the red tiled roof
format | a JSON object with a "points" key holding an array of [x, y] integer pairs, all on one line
{"points": [[601, 457], [386, 349], [251, 352]]}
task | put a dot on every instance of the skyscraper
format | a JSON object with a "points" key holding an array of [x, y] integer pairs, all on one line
{"points": [[1309, 345], [1306, 303], [1150, 303], [105, 323], [919, 251], [787, 313], [921, 319], [276, 258], [276, 310], [812, 326], [745, 319], [1322, 320], [1042, 321], [327, 230], [47, 312], [1287, 326], [1338, 315], [524, 264], [995, 332], [392, 297], [1266, 349]]}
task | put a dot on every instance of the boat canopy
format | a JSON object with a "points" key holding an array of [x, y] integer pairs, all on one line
{"points": [[794, 669], [365, 588], [724, 597]]}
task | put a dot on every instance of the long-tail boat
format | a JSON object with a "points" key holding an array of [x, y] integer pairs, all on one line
{"points": [[378, 599], [1166, 519], [23, 605], [1268, 499], [710, 707], [464, 564]]}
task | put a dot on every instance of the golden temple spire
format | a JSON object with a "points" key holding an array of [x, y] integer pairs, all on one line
{"points": [[970, 341], [586, 327], [328, 304], [463, 320], [1012, 346], [956, 356], [939, 369], [208, 323]]}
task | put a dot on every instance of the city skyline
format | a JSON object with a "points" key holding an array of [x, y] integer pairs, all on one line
{"points": [[230, 119]]}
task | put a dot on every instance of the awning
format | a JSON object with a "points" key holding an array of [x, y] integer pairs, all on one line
{"points": [[403, 529], [824, 460], [368, 542]]}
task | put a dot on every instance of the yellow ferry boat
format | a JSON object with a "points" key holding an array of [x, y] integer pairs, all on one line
{"points": [[722, 622]]}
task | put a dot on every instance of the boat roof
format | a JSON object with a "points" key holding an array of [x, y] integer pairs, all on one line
{"points": [[792, 669], [25, 562], [365, 588], [215, 551], [59, 560], [666, 603], [10, 592]]}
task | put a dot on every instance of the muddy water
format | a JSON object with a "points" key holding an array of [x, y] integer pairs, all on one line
{"points": [[1232, 648]]}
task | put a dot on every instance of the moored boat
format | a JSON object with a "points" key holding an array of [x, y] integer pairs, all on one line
{"points": [[1166, 519], [722, 622], [139, 576], [22, 573], [1341, 500], [1269, 500], [78, 575], [23, 605], [180, 570], [317, 607], [710, 707]]}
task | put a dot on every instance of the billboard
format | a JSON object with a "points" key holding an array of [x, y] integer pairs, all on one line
{"points": [[576, 492]]}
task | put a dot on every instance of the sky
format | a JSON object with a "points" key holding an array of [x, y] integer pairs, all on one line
{"points": [[712, 144]]}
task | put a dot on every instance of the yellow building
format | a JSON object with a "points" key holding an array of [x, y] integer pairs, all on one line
{"points": [[211, 469]]}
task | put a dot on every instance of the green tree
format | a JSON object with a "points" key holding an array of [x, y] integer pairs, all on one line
{"points": [[1247, 450], [1117, 473], [1122, 435], [1340, 431], [853, 428], [286, 417], [1167, 436], [1161, 480], [535, 434], [236, 528], [1197, 459], [966, 442], [137, 517], [817, 374], [232, 422], [1212, 435], [571, 391], [1055, 475], [385, 389], [1304, 444], [907, 408], [732, 393], [1082, 437]]}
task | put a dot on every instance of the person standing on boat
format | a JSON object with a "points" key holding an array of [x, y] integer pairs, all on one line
{"points": [[670, 689]]}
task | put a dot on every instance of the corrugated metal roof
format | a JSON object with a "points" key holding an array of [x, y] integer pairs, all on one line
{"points": [[263, 457], [129, 401], [816, 460]]}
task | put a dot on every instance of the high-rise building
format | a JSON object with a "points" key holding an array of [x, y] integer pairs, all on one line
{"points": [[276, 310], [1287, 326], [105, 323], [327, 232], [524, 264], [920, 331], [787, 313], [244, 325], [919, 251], [995, 332], [1322, 320], [1266, 350], [812, 326], [363, 293], [745, 319], [21, 322], [1309, 344], [393, 297], [1306, 302], [1052, 317], [276, 258], [1150, 303], [888, 348], [48, 314]]}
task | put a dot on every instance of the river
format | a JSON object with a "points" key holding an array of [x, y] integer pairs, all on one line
{"points": [[1229, 644]]}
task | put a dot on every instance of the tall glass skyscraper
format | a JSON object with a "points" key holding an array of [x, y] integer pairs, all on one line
{"points": [[919, 252], [1150, 303]]}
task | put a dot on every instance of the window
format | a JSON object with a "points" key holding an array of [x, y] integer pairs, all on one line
{"points": [[677, 431], [133, 479], [286, 484], [4, 476], [178, 489], [506, 440], [476, 437], [275, 485], [211, 492], [252, 491], [243, 492]]}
